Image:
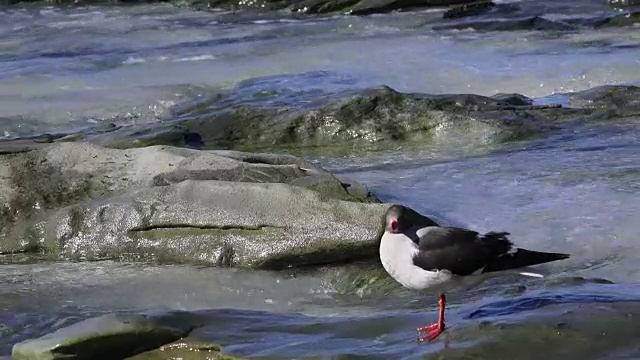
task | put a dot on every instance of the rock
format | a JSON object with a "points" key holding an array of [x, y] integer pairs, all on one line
{"points": [[362, 280], [513, 99], [623, 3], [104, 337], [187, 349], [354, 7], [620, 99], [224, 208], [575, 280], [532, 23], [616, 19], [367, 7], [44, 138], [268, 226], [356, 120], [147, 135], [468, 10], [333, 187], [19, 146], [349, 122], [625, 19]]}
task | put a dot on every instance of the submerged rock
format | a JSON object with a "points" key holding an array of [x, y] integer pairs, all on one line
{"points": [[356, 120], [362, 119], [224, 208], [465, 10], [355, 7], [621, 100], [105, 337], [531, 23], [186, 349], [116, 336], [366, 7]]}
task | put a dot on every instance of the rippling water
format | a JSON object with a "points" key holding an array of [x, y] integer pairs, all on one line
{"points": [[575, 192], [64, 67]]}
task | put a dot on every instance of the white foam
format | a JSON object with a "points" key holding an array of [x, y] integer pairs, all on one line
{"points": [[196, 58]]}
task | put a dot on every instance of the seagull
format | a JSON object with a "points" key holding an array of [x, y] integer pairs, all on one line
{"points": [[422, 255]]}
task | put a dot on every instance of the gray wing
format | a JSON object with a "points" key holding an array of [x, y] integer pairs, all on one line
{"points": [[458, 250]]}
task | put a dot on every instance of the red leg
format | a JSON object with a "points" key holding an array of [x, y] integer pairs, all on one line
{"points": [[434, 330]]}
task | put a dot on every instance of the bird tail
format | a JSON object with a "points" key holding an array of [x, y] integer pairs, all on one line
{"points": [[522, 258]]}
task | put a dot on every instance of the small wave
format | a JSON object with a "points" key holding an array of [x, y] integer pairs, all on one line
{"points": [[139, 60], [544, 299], [196, 58], [272, 21], [134, 60]]}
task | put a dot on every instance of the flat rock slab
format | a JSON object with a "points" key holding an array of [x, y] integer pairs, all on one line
{"points": [[224, 208], [106, 337], [269, 226]]}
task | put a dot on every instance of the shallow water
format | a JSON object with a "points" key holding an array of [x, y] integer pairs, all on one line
{"points": [[75, 67], [576, 192]]}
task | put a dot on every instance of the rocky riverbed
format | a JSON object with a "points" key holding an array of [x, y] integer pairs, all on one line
{"points": [[206, 179]]}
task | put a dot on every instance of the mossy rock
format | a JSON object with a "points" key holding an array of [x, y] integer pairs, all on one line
{"points": [[186, 349]]}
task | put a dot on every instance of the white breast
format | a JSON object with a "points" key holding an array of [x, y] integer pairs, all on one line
{"points": [[396, 254]]}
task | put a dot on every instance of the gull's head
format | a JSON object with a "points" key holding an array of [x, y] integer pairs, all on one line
{"points": [[401, 219], [396, 219]]}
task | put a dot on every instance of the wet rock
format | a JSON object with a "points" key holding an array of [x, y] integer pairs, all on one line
{"points": [[354, 121], [44, 138], [513, 99], [623, 3], [146, 135], [354, 7], [628, 19], [362, 280], [270, 226], [616, 19], [332, 187], [621, 100], [19, 146], [224, 208], [104, 337], [575, 280], [366, 7], [468, 10], [533, 23], [515, 290], [187, 349], [360, 119]]}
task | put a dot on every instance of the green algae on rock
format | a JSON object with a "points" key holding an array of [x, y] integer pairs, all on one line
{"points": [[186, 349], [623, 100], [367, 117], [355, 121]]}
